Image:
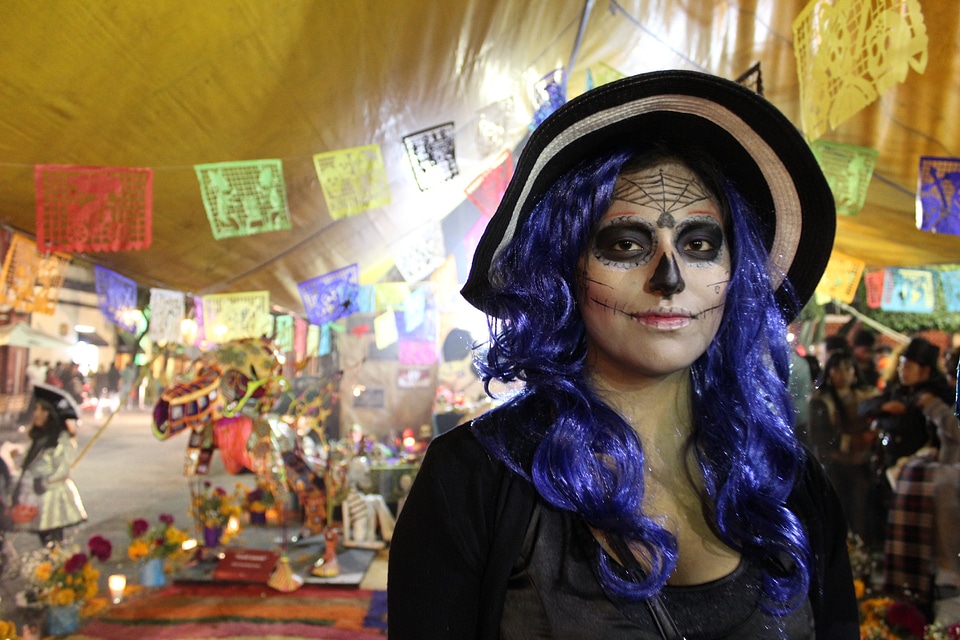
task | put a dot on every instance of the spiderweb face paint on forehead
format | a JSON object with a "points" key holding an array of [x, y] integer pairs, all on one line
{"points": [[662, 191]]}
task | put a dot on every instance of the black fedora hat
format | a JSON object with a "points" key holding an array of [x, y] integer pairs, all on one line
{"points": [[757, 147], [62, 401]]}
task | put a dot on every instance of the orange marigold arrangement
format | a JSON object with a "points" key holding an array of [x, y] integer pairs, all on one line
{"points": [[159, 540], [64, 574], [883, 618]]}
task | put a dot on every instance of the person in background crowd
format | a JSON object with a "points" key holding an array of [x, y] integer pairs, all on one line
{"points": [[53, 375], [835, 342], [801, 385], [36, 372], [843, 441], [905, 413], [920, 553], [864, 342], [45, 472], [647, 482]]}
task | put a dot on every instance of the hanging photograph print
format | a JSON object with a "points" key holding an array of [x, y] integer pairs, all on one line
{"points": [[116, 297], [31, 282], [849, 52], [432, 155], [950, 283], [244, 198], [233, 316], [417, 256], [352, 180], [909, 290], [331, 295], [549, 94], [93, 208], [167, 309], [848, 170], [938, 195]]}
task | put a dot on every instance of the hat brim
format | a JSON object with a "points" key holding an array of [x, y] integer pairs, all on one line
{"points": [[756, 146], [62, 401]]}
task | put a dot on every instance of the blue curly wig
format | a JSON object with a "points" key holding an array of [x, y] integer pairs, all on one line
{"points": [[588, 460]]}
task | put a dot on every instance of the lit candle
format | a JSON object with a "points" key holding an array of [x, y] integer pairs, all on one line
{"points": [[117, 583]]}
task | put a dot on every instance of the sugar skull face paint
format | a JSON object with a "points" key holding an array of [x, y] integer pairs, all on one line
{"points": [[655, 274]]}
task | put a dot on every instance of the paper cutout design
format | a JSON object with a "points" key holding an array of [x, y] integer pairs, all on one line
{"points": [[244, 198], [849, 52], [30, 282], [415, 309], [842, 277], [331, 295], [416, 257], [752, 78], [418, 352], [391, 295], [167, 310], [116, 297], [909, 290], [198, 318], [602, 74], [873, 280], [950, 282], [233, 316], [549, 94], [385, 329], [938, 195], [353, 180], [366, 300], [325, 347], [487, 190], [300, 328], [432, 155], [848, 170], [283, 333], [313, 339], [493, 126], [93, 208]]}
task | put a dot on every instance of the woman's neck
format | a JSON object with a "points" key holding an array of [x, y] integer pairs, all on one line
{"points": [[658, 409]]}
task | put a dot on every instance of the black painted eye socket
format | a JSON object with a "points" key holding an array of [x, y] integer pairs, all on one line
{"points": [[633, 244], [700, 241]]}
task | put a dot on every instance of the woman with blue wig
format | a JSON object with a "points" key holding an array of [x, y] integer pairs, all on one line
{"points": [[656, 238]]}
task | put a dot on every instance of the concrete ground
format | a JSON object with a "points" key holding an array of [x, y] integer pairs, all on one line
{"points": [[123, 472]]}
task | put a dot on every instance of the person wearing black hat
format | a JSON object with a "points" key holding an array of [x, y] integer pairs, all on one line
{"points": [[919, 455], [44, 480], [658, 234], [908, 413]]}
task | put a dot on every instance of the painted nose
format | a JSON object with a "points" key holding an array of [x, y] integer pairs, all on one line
{"points": [[666, 279]]}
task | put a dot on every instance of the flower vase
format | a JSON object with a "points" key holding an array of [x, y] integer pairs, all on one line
{"points": [[258, 517], [211, 536], [152, 573], [63, 619]]}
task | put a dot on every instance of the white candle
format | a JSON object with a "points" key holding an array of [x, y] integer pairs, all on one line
{"points": [[117, 583]]}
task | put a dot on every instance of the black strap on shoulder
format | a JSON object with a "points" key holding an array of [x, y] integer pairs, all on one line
{"points": [[665, 624]]}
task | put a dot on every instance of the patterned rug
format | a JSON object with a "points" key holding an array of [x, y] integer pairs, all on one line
{"points": [[243, 612]]}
